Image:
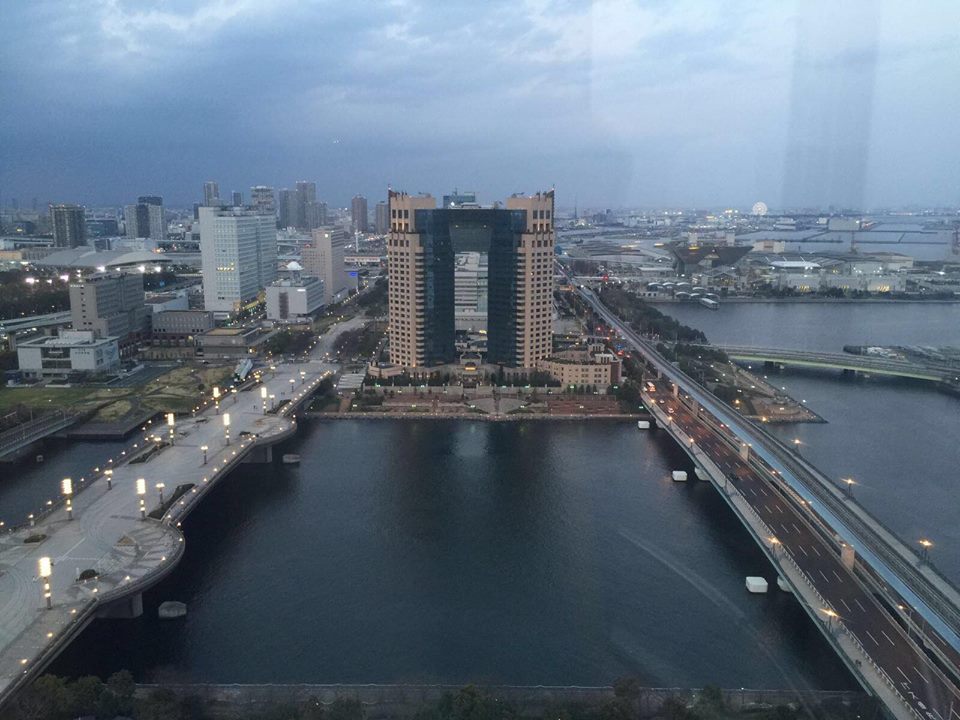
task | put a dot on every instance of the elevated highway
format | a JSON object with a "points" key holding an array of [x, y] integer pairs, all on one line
{"points": [[870, 364], [914, 665]]}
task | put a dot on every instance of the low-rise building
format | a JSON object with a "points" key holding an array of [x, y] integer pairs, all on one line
{"points": [[294, 299], [231, 342], [180, 327], [56, 357], [593, 365]]}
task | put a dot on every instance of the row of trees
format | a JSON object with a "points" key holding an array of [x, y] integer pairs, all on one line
{"points": [[647, 319]]}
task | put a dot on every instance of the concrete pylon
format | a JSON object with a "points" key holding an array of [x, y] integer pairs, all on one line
{"points": [[745, 452], [848, 556]]}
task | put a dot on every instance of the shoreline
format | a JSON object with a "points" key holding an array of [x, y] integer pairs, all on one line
{"points": [[516, 417], [809, 301]]}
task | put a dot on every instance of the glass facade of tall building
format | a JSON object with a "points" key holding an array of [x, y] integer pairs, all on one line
{"points": [[421, 250]]}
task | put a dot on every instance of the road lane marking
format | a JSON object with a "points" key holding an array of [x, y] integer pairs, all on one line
{"points": [[795, 527], [876, 642], [921, 675], [777, 506], [67, 553], [766, 507], [839, 579], [825, 578], [801, 548], [816, 551], [902, 673], [849, 609], [884, 633], [860, 604]]}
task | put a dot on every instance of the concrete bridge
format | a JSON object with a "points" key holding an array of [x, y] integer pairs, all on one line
{"points": [[890, 616], [123, 524], [15, 441], [869, 364]]}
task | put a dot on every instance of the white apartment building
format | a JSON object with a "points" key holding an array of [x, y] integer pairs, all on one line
{"points": [[238, 256], [323, 259]]}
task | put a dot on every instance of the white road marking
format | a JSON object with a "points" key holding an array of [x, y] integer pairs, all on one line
{"points": [[801, 548], [860, 604], [921, 676], [884, 633], [876, 642], [67, 553], [849, 609], [816, 551], [902, 673], [839, 579]]}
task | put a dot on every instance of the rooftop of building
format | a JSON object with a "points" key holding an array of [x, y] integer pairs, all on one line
{"points": [[87, 257], [72, 338]]}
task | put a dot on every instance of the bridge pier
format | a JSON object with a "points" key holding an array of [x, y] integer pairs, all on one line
{"points": [[745, 452], [125, 608]]}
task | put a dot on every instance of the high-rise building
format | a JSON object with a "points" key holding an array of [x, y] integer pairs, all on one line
{"points": [[382, 218], [306, 205], [237, 198], [323, 258], [358, 214], [110, 304], [145, 219], [421, 254], [262, 200], [238, 256], [69, 225], [211, 194], [287, 207]]}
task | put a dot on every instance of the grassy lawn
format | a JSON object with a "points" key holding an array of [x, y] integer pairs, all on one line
{"points": [[175, 391]]}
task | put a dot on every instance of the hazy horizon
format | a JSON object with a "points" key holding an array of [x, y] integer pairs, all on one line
{"points": [[616, 103]]}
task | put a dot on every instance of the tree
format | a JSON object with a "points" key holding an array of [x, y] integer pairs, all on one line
{"points": [[47, 699], [84, 694], [160, 704]]}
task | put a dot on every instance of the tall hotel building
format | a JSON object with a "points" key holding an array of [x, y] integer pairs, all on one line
{"points": [[519, 243]]}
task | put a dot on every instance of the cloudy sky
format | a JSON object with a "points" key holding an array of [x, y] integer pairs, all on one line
{"points": [[615, 102]]}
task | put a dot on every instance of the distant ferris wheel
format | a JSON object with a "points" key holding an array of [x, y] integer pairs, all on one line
{"points": [[759, 208]]}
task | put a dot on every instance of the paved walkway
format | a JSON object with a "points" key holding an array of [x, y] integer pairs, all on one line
{"points": [[107, 533]]}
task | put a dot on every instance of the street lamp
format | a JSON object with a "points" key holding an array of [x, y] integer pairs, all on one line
{"points": [[831, 616], [849, 482], [233, 391], [216, 398], [263, 398], [292, 383], [45, 570], [66, 487], [141, 492], [109, 475], [171, 423], [226, 427], [272, 398], [204, 448], [775, 545], [925, 552], [303, 376], [160, 486]]}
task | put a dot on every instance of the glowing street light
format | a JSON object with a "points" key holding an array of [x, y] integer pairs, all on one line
{"points": [[272, 398], [66, 487], [160, 486], [204, 448], [925, 549], [216, 398], [108, 473], [303, 376], [171, 423], [775, 545], [233, 391], [226, 427], [45, 570], [849, 482], [263, 398], [831, 617], [141, 492]]}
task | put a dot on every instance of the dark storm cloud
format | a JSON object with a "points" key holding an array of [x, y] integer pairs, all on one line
{"points": [[616, 102]]}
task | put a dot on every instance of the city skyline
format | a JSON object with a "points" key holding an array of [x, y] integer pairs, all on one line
{"points": [[705, 105]]}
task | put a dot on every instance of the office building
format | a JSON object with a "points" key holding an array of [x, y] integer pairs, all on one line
{"points": [[110, 304], [294, 299], [262, 200], [382, 218], [237, 198], [470, 291], [101, 227], [518, 241], [238, 256], [211, 194], [307, 211], [145, 219], [180, 327], [69, 225], [55, 357], [323, 259], [358, 214]]}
